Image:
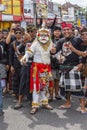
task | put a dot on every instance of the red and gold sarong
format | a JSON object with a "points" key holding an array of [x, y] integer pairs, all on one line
{"points": [[36, 70]]}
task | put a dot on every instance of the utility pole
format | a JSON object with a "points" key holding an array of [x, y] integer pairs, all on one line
{"points": [[86, 16], [35, 12]]}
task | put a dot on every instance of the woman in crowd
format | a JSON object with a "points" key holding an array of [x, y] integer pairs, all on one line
{"points": [[56, 35]]}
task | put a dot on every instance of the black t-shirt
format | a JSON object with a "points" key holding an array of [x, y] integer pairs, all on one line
{"points": [[71, 58], [13, 38], [54, 61], [84, 48], [0, 53], [3, 52]]}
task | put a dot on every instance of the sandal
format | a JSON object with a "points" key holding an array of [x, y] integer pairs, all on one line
{"points": [[48, 107], [33, 110], [64, 107], [58, 97], [50, 99], [83, 112], [18, 106]]}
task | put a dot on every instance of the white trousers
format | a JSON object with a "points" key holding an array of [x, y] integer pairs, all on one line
{"points": [[37, 97]]}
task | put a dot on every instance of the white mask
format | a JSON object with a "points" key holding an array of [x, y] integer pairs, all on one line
{"points": [[43, 38]]}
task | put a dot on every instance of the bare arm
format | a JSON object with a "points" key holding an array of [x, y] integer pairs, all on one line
{"points": [[80, 53], [8, 39]]}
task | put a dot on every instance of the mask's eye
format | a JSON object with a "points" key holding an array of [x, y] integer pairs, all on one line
{"points": [[44, 35]]}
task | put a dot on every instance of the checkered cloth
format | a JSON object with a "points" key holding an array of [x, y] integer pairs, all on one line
{"points": [[71, 81], [3, 71]]}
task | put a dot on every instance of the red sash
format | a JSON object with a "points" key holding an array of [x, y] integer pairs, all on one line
{"points": [[37, 68]]}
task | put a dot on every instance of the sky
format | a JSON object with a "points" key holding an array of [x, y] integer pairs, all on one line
{"points": [[82, 3]]}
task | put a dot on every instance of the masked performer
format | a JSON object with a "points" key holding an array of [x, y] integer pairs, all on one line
{"points": [[41, 77]]}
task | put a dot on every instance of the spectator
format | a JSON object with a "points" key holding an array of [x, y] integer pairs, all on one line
{"points": [[74, 67], [76, 33], [57, 34]]}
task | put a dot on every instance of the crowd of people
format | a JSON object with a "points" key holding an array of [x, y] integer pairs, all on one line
{"points": [[43, 64]]}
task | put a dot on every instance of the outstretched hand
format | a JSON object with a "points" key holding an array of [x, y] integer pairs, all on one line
{"points": [[53, 50], [84, 53], [70, 46], [23, 61]]}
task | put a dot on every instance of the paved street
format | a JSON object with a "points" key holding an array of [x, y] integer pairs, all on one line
{"points": [[56, 119]]}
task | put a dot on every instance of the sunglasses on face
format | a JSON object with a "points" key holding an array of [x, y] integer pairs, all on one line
{"points": [[17, 32], [5, 33], [29, 31]]}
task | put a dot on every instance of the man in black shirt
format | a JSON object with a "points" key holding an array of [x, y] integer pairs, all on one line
{"points": [[14, 60], [70, 77]]}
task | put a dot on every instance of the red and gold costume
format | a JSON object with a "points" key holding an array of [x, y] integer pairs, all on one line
{"points": [[41, 77]]}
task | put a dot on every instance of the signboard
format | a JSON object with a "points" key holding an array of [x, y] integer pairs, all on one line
{"points": [[68, 18], [23, 24], [8, 7], [50, 15], [55, 8], [41, 10], [2, 7], [7, 17], [83, 21], [42, 2], [58, 21], [16, 8], [71, 11], [28, 9], [30, 20], [50, 6]]}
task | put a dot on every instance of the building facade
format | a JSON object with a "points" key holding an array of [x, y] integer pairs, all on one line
{"points": [[10, 11]]}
